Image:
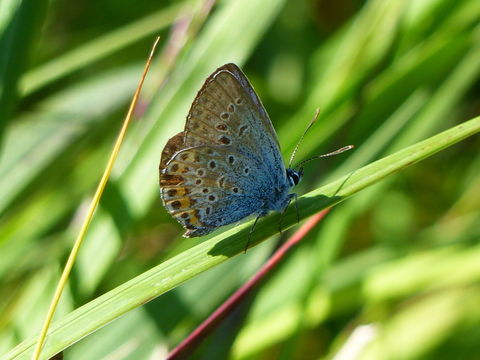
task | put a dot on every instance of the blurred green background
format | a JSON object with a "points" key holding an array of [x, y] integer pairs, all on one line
{"points": [[392, 273]]}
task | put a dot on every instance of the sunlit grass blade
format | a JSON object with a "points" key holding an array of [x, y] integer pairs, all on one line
{"points": [[220, 248], [98, 49]]}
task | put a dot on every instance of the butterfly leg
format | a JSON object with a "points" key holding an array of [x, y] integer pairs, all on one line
{"points": [[296, 207], [290, 197], [251, 232], [280, 222]]}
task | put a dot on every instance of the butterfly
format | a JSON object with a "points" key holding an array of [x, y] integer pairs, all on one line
{"points": [[226, 164]]}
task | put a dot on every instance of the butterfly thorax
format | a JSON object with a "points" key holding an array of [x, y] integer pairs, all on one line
{"points": [[282, 196]]}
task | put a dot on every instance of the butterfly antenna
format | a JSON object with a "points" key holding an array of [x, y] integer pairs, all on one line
{"points": [[336, 152], [315, 118]]}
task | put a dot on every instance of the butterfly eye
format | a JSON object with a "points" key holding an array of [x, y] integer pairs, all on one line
{"points": [[293, 177]]}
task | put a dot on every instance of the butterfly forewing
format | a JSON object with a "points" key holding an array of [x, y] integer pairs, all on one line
{"points": [[225, 110]]}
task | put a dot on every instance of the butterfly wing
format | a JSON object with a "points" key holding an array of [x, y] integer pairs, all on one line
{"points": [[226, 111], [205, 187], [227, 105], [227, 162]]}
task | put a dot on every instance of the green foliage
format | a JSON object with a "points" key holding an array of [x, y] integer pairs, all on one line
{"points": [[394, 269]]}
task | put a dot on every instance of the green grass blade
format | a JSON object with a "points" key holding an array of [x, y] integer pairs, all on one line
{"points": [[220, 248], [19, 23], [97, 49]]}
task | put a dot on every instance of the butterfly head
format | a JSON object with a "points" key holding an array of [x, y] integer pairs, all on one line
{"points": [[294, 176]]}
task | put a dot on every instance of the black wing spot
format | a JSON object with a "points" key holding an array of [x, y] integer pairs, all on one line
{"points": [[225, 140]]}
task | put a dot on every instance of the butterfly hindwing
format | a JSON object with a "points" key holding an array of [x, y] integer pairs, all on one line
{"points": [[205, 187]]}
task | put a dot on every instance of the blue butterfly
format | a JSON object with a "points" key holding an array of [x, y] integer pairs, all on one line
{"points": [[226, 164]]}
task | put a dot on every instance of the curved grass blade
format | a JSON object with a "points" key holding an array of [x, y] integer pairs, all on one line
{"points": [[220, 248]]}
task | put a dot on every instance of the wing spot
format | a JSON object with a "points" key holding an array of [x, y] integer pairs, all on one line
{"points": [[235, 190], [184, 215], [231, 108], [205, 191], [231, 159], [242, 130], [168, 179], [185, 169], [221, 127], [224, 140], [225, 116], [212, 164], [246, 170], [184, 156], [211, 198], [172, 192], [201, 172], [208, 210], [174, 168], [239, 101], [176, 204], [198, 181]]}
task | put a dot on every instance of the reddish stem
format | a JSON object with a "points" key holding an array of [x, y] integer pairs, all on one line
{"points": [[186, 347]]}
